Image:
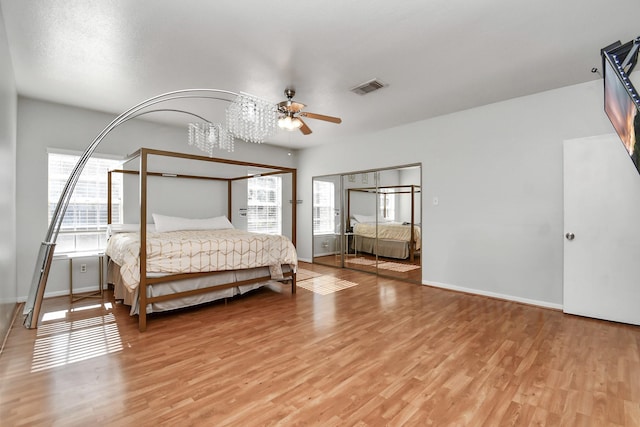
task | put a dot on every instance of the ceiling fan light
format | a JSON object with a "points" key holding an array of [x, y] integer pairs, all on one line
{"points": [[289, 123]]}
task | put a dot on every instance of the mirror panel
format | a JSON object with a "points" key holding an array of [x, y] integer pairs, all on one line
{"points": [[327, 220], [399, 223], [360, 219]]}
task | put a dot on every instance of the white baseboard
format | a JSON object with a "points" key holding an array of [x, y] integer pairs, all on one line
{"points": [[310, 261], [61, 293], [544, 304], [65, 292]]}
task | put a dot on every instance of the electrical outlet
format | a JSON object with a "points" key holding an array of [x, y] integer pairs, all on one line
{"points": [[83, 268]]}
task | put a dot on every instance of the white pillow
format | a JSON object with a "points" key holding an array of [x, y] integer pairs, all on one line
{"points": [[174, 223], [364, 218], [127, 228]]}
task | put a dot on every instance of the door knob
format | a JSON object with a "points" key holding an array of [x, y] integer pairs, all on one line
{"points": [[570, 236]]}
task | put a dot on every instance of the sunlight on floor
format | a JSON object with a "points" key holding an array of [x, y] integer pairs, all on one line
{"points": [[385, 265], [325, 285], [64, 342], [303, 274]]}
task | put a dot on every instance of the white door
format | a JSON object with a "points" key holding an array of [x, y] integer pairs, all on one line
{"points": [[602, 230]]}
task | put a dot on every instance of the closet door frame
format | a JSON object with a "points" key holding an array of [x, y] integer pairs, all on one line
{"points": [[342, 238]]}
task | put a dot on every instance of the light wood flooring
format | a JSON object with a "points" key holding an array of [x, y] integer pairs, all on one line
{"points": [[381, 352]]}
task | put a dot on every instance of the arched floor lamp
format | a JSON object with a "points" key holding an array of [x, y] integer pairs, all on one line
{"points": [[249, 118]]}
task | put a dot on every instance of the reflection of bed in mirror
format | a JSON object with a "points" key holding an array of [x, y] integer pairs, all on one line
{"points": [[378, 236], [394, 240]]}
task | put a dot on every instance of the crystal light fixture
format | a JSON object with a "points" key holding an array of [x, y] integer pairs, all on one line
{"points": [[251, 118], [209, 136]]}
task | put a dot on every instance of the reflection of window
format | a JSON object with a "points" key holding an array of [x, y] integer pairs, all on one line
{"points": [[264, 204], [388, 206], [85, 221], [323, 207]]}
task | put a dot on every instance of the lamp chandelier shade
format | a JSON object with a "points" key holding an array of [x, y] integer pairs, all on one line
{"points": [[289, 123], [251, 118], [210, 136]]}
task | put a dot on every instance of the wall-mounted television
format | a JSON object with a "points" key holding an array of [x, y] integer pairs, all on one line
{"points": [[621, 100]]}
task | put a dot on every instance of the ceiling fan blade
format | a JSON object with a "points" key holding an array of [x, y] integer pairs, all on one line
{"points": [[321, 117], [304, 128]]}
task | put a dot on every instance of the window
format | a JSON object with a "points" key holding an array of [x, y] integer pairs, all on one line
{"points": [[264, 204], [85, 221], [323, 207], [388, 206]]}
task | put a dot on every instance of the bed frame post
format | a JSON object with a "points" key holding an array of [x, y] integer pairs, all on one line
{"points": [[412, 241], [347, 223], [109, 201], [142, 288], [229, 199], [294, 205]]}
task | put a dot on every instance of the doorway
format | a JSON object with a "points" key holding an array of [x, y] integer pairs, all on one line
{"points": [[602, 236]]}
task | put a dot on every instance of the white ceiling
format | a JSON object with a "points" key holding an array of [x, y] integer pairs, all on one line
{"points": [[437, 56]]}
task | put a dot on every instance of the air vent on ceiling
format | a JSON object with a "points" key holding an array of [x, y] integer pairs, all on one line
{"points": [[368, 87]]}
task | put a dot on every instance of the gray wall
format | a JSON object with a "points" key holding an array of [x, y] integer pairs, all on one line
{"points": [[497, 173], [8, 108], [43, 124]]}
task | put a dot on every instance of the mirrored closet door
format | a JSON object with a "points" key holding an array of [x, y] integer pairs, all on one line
{"points": [[376, 221]]}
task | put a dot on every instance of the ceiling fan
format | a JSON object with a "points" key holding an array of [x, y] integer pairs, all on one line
{"points": [[291, 113]]}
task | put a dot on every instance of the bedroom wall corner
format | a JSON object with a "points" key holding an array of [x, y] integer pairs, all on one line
{"points": [[8, 138]]}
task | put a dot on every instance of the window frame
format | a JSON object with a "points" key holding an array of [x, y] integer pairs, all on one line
{"points": [[330, 210], [87, 237], [254, 202]]}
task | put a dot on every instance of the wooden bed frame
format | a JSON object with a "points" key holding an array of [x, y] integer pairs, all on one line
{"points": [[143, 156], [404, 189]]}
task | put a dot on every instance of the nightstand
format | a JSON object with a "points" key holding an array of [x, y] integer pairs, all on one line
{"points": [[90, 255], [348, 240]]}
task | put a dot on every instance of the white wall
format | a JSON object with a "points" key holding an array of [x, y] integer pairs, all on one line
{"points": [[42, 124], [497, 172], [8, 108]]}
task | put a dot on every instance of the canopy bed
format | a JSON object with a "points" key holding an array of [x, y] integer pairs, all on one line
{"points": [[179, 262], [247, 117]]}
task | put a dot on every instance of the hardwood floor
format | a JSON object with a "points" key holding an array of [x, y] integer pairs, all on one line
{"points": [[382, 352]]}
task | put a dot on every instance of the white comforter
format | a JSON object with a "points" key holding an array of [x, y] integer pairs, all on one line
{"points": [[200, 251]]}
